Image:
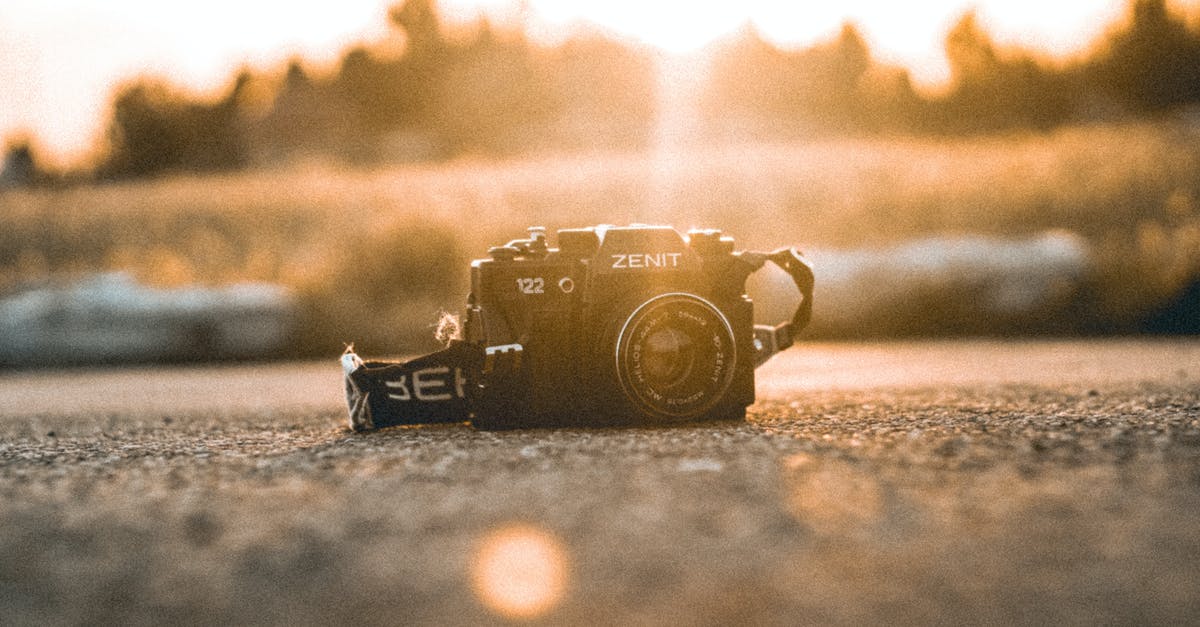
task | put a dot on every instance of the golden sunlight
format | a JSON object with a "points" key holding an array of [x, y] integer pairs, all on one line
{"points": [[60, 60], [519, 572], [673, 26], [908, 33]]}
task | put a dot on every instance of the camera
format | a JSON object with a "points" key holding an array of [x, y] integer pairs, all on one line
{"points": [[615, 325]]}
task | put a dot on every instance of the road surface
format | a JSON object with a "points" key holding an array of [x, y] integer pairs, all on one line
{"points": [[1025, 482]]}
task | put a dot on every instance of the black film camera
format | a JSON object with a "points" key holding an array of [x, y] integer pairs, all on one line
{"points": [[617, 325]]}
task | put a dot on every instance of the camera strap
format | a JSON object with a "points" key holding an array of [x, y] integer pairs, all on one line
{"points": [[429, 389], [769, 339], [436, 388]]}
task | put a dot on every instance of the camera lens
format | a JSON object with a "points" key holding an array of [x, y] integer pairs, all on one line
{"points": [[675, 356], [668, 357]]}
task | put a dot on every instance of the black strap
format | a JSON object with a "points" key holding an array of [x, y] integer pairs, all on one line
{"points": [[772, 339], [792, 262], [428, 389]]}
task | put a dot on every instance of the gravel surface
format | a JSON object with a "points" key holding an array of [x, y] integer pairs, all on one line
{"points": [[990, 482]]}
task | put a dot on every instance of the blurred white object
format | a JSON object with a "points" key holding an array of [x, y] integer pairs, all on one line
{"points": [[974, 281], [111, 317]]}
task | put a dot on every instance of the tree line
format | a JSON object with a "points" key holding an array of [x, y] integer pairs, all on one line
{"points": [[493, 92], [487, 92], [1144, 67]]}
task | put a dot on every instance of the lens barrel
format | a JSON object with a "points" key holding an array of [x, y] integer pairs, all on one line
{"points": [[675, 356]]}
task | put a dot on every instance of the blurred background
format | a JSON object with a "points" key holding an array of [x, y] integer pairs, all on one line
{"points": [[230, 181]]}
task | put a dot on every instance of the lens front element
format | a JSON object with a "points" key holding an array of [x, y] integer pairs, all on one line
{"points": [[675, 356]]}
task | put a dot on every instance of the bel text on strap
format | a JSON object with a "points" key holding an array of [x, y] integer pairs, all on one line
{"points": [[428, 389]]}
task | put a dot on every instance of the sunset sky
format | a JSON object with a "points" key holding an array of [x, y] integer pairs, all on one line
{"points": [[59, 59]]}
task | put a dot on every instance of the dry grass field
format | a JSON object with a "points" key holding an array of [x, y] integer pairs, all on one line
{"points": [[370, 249]]}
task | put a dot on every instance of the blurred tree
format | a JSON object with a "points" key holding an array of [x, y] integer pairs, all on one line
{"points": [[748, 92], [364, 84], [888, 101], [970, 51], [223, 144], [600, 93], [422, 29], [418, 76], [19, 167], [493, 98], [830, 93], [993, 92], [155, 129], [301, 120], [765, 90], [1154, 63], [143, 138]]}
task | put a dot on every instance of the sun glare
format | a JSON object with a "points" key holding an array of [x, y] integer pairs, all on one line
{"points": [[673, 26], [906, 33], [60, 59]]}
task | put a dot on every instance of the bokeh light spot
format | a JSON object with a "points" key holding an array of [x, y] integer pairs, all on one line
{"points": [[519, 572]]}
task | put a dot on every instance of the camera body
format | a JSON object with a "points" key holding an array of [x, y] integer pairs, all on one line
{"points": [[617, 325]]}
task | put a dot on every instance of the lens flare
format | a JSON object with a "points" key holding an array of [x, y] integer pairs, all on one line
{"points": [[519, 572]]}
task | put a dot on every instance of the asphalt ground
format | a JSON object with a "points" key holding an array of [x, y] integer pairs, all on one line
{"points": [[1027, 482]]}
